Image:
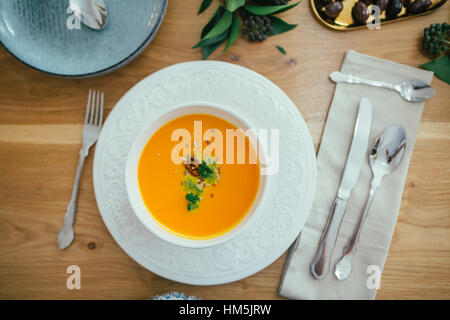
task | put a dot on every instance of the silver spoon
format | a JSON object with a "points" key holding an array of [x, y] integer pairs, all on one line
{"points": [[385, 156], [91, 12], [412, 90]]}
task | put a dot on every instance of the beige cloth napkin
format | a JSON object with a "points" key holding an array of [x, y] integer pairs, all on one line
{"points": [[388, 109]]}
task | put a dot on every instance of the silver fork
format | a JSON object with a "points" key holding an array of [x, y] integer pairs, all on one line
{"points": [[92, 125]]}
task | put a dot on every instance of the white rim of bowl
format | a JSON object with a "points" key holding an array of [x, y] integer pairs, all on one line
{"points": [[141, 210]]}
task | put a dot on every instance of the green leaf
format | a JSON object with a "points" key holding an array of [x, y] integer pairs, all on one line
{"points": [[210, 41], [223, 24], [281, 49], [210, 45], [205, 5], [234, 4], [265, 10], [279, 26], [440, 67], [208, 50], [234, 32], [212, 22]]}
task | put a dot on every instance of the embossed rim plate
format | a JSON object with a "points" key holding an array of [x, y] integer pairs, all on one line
{"points": [[290, 193]]}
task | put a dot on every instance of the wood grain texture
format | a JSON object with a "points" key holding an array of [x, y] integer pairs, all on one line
{"points": [[40, 135]]}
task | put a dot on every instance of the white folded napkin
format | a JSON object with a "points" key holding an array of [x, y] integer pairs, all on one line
{"points": [[388, 108]]}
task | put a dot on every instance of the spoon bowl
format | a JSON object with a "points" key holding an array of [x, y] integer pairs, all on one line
{"points": [[388, 150], [412, 90], [415, 90]]}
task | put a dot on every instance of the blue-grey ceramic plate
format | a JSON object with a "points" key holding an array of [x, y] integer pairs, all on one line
{"points": [[44, 35]]}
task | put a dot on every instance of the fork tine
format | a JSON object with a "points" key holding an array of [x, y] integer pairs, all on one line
{"points": [[101, 112], [91, 118], [88, 107], [95, 123]]}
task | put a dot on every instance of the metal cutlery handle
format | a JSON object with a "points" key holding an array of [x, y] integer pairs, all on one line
{"points": [[320, 264], [348, 78], [72, 206], [343, 268], [69, 218]]}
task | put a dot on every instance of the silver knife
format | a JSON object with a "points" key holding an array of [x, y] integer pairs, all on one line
{"points": [[356, 156]]}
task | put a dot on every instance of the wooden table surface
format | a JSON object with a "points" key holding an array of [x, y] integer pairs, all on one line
{"points": [[40, 136]]}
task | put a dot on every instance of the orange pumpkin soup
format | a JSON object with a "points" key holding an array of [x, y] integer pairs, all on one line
{"points": [[225, 193]]}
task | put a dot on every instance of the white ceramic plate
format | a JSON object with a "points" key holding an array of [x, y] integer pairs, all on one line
{"points": [[290, 193]]}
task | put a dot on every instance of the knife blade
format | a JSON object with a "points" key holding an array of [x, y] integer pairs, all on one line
{"points": [[320, 264]]}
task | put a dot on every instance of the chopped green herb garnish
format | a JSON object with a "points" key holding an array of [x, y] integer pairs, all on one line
{"points": [[208, 171], [193, 198], [191, 206], [196, 180], [205, 171], [190, 184]]}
